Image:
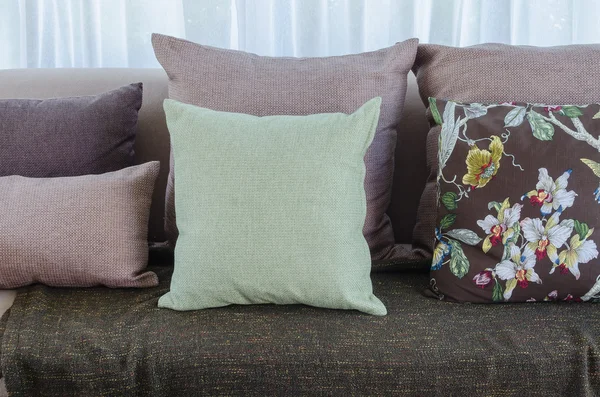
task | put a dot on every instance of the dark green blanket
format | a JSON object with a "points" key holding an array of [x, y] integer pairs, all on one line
{"points": [[101, 342]]}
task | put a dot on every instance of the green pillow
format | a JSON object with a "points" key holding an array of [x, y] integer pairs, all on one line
{"points": [[270, 209]]}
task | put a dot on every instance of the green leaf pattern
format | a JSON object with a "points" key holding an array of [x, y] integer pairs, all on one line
{"points": [[515, 117], [571, 111], [449, 134], [459, 264], [449, 200], [582, 229], [434, 111], [467, 236], [447, 221], [542, 130], [475, 110], [498, 292]]}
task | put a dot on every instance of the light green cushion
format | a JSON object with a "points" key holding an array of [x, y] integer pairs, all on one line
{"points": [[270, 209]]}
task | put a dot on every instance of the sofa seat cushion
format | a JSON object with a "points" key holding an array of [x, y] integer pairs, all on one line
{"points": [[97, 341]]}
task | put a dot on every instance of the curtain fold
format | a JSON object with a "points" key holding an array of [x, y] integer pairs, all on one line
{"points": [[116, 33]]}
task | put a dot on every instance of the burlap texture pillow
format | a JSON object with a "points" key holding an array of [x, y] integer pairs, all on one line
{"points": [[77, 231], [490, 73], [235, 81], [271, 209]]}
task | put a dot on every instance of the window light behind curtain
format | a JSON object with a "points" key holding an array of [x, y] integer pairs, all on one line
{"points": [[116, 33]]}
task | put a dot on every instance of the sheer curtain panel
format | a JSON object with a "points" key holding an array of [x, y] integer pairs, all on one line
{"points": [[116, 33]]}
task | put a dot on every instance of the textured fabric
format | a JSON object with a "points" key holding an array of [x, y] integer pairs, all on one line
{"points": [[519, 202], [3, 322], [423, 347], [77, 231], [289, 191], [7, 298], [69, 136], [152, 136], [497, 73], [239, 82]]}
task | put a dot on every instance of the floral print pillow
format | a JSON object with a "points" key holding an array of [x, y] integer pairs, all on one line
{"points": [[518, 202]]}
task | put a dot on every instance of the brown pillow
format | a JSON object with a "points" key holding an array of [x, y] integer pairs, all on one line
{"points": [[518, 209], [69, 136], [239, 82], [77, 231], [496, 73]]}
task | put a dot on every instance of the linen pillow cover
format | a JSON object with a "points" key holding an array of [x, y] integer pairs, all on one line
{"points": [[239, 82], [69, 136], [270, 209], [518, 201], [490, 73], [78, 231]]}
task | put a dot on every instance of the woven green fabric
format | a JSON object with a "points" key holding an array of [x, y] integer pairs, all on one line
{"points": [[271, 209]]}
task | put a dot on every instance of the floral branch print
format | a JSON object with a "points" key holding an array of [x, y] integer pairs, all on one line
{"points": [[519, 244], [482, 164], [595, 167], [551, 194], [580, 133], [501, 228], [517, 270], [527, 241]]}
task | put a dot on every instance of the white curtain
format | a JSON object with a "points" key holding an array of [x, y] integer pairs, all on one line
{"points": [[116, 33]]}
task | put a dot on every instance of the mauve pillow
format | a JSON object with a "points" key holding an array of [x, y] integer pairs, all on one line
{"points": [[77, 231], [239, 82], [499, 73], [41, 138]]}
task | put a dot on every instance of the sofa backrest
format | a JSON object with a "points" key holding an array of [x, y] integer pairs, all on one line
{"points": [[152, 141]]}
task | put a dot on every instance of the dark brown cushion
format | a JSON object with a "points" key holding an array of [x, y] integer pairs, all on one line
{"points": [[69, 136], [496, 73], [518, 208], [239, 82]]}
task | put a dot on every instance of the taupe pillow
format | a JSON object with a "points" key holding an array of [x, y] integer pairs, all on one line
{"points": [[239, 82], [490, 73], [77, 231]]}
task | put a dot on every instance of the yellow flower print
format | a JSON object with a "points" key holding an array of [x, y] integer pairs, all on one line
{"points": [[483, 164]]}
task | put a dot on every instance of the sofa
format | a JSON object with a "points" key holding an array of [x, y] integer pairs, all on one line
{"points": [[60, 341]]}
